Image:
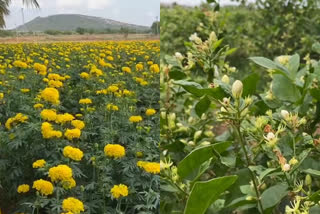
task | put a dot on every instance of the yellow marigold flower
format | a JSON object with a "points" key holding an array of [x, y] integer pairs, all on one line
{"points": [[120, 190], [64, 118], [48, 114], [48, 131], [127, 92], [155, 68], [96, 71], [41, 69], [84, 75], [55, 84], [23, 188], [60, 173], [113, 88], [25, 90], [110, 58], [78, 124], [20, 64], [126, 69], [51, 95], [150, 167], [19, 118], [112, 107], [1, 96], [85, 101], [21, 77], [72, 205], [70, 134], [135, 119], [39, 164], [44, 187], [69, 184], [73, 153], [114, 150], [38, 105], [150, 111], [139, 67]]}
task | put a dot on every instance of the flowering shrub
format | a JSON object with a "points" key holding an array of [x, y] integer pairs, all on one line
{"points": [[76, 119], [230, 146]]}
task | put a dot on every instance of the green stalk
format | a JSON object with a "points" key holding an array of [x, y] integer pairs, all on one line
{"points": [[243, 146]]}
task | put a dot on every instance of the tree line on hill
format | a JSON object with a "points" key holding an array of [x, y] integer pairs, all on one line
{"points": [[154, 29]]}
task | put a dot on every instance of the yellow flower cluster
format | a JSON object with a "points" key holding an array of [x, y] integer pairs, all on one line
{"points": [[126, 69], [60, 173], [41, 69], [72, 205], [114, 151], [23, 188], [155, 68], [51, 95], [85, 101], [20, 64], [39, 164], [49, 114], [69, 184], [73, 153], [43, 187], [150, 112], [64, 118], [139, 67], [71, 134], [112, 107], [120, 190], [78, 124], [84, 75], [19, 118], [151, 167], [135, 119], [48, 131]]}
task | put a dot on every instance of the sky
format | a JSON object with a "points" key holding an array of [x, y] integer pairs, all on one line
{"points": [[141, 12]]}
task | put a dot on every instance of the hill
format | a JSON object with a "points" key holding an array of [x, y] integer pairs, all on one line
{"points": [[70, 22]]}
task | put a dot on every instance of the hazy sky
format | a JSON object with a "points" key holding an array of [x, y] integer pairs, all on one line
{"points": [[142, 12]]}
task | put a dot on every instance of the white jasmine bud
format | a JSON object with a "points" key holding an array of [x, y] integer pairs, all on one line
{"points": [[237, 88], [225, 79]]}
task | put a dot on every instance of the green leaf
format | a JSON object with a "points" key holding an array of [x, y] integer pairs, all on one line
{"points": [[177, 75], [284, 89], [269, 64], [294, 63], [316, 47], [202, 106], [250, 84], [273, 195], [171, 60], [315, 197], [216, 93], [315, 93], [204, 193], [198, 156], [191, 87], [312, 172]]}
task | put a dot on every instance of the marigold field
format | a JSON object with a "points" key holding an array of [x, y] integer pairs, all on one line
{"points": [[79, 127]]}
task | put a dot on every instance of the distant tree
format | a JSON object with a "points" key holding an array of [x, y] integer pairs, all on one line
{"points": [[155, 27], [124, 31], [80, 30], [4, 9]]}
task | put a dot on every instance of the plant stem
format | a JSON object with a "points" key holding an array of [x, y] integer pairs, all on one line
{"points": [[243, 146]]}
